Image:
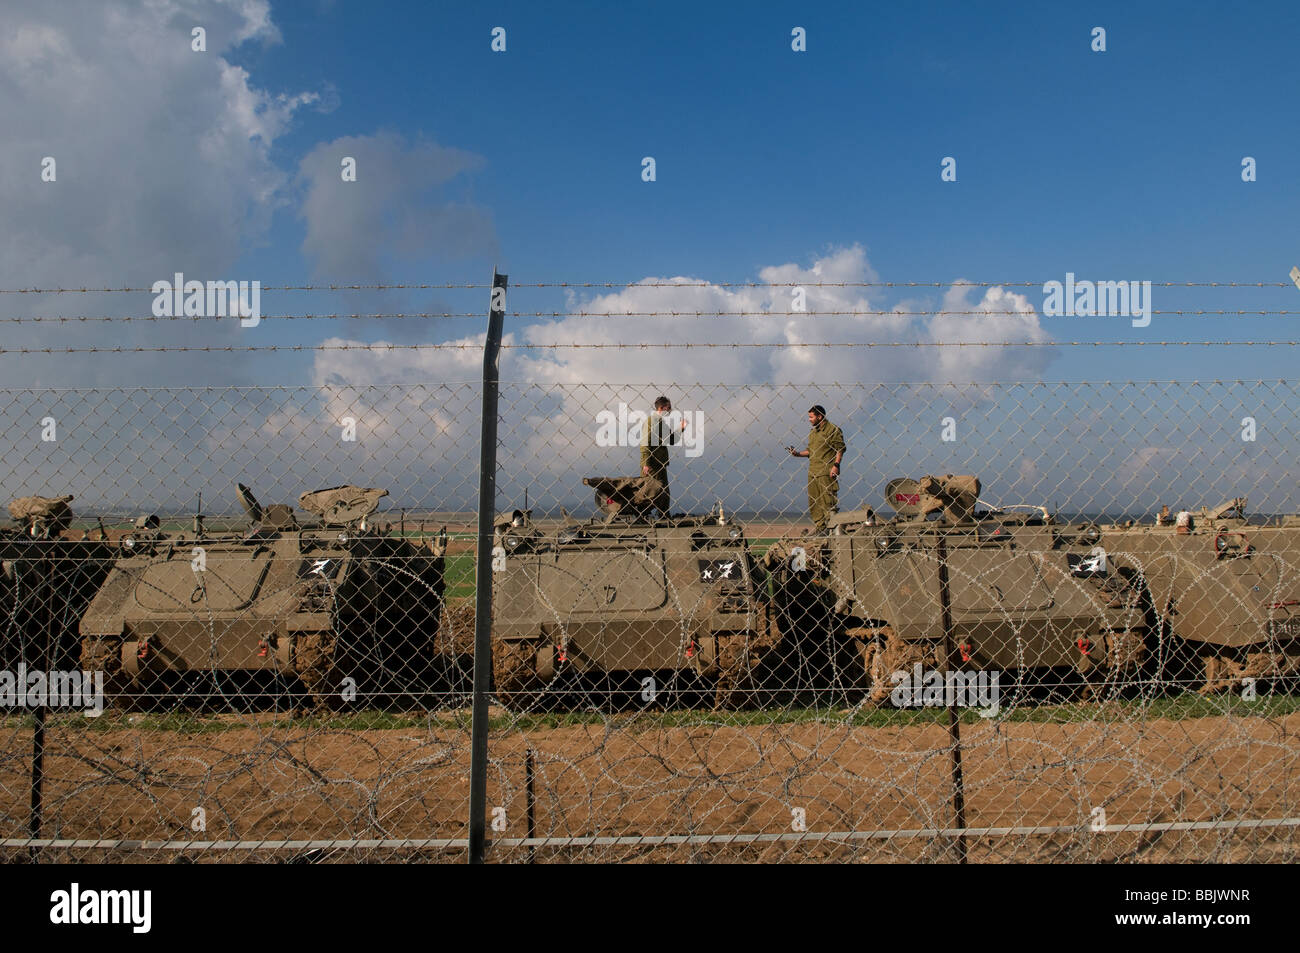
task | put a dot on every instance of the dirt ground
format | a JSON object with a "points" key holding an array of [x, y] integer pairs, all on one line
{"points": [[629, 777]]}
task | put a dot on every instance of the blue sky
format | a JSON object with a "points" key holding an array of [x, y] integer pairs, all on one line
{"points": [[1094, 154], [771, 165], [1122, 164]]}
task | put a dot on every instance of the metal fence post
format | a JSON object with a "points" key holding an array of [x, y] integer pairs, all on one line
{"points": [[530, 800], [954, 718], [483, 573], [46, 619], [38, 778]]}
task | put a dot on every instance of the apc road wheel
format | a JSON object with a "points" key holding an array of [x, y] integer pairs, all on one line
{"points": [[742, 662], [515, 680], [1120, 663], [314, 658], [884, 652], [104, 655], [1227, 670]]}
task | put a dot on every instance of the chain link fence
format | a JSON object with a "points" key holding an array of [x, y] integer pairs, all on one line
{"points": [[1038, 621]]}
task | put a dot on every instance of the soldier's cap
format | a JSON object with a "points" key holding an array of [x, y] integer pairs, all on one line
{"points": [[817, 409]]}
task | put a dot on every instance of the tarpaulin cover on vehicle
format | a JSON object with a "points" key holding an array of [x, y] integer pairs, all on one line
{"points": [[27, 508], [340, 505]]}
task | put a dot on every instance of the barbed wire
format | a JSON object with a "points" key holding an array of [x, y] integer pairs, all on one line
{"points": [[425, 286], [869, 344], [811, 312], [517, 381], [121, 349]]}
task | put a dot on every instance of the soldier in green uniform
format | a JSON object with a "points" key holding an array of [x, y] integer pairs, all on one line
{"points": [[825, 452], [657, 436]]}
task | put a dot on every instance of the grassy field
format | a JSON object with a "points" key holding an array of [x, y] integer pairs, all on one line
{"points": [[1182, 707], [460, 576]]}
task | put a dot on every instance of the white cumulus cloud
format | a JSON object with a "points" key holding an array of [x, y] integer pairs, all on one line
{"points": [[162, 158]]}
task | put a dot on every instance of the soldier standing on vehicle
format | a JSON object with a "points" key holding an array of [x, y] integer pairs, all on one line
{"points": [[658, 434], [825, 453]]}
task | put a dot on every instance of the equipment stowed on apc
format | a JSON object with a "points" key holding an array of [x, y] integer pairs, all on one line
{"points": [[1016, 592], [335, 606], [638, 610], [46, 582]]}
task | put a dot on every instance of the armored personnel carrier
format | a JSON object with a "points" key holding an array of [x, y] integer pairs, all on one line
{"points": [[332, 604], [635, 609], [47, 579], [1226, 591], [1013, 592]]}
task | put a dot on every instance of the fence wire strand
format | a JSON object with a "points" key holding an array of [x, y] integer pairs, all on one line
{"points": [[579, 313], [621, 346], [425, 286]]}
